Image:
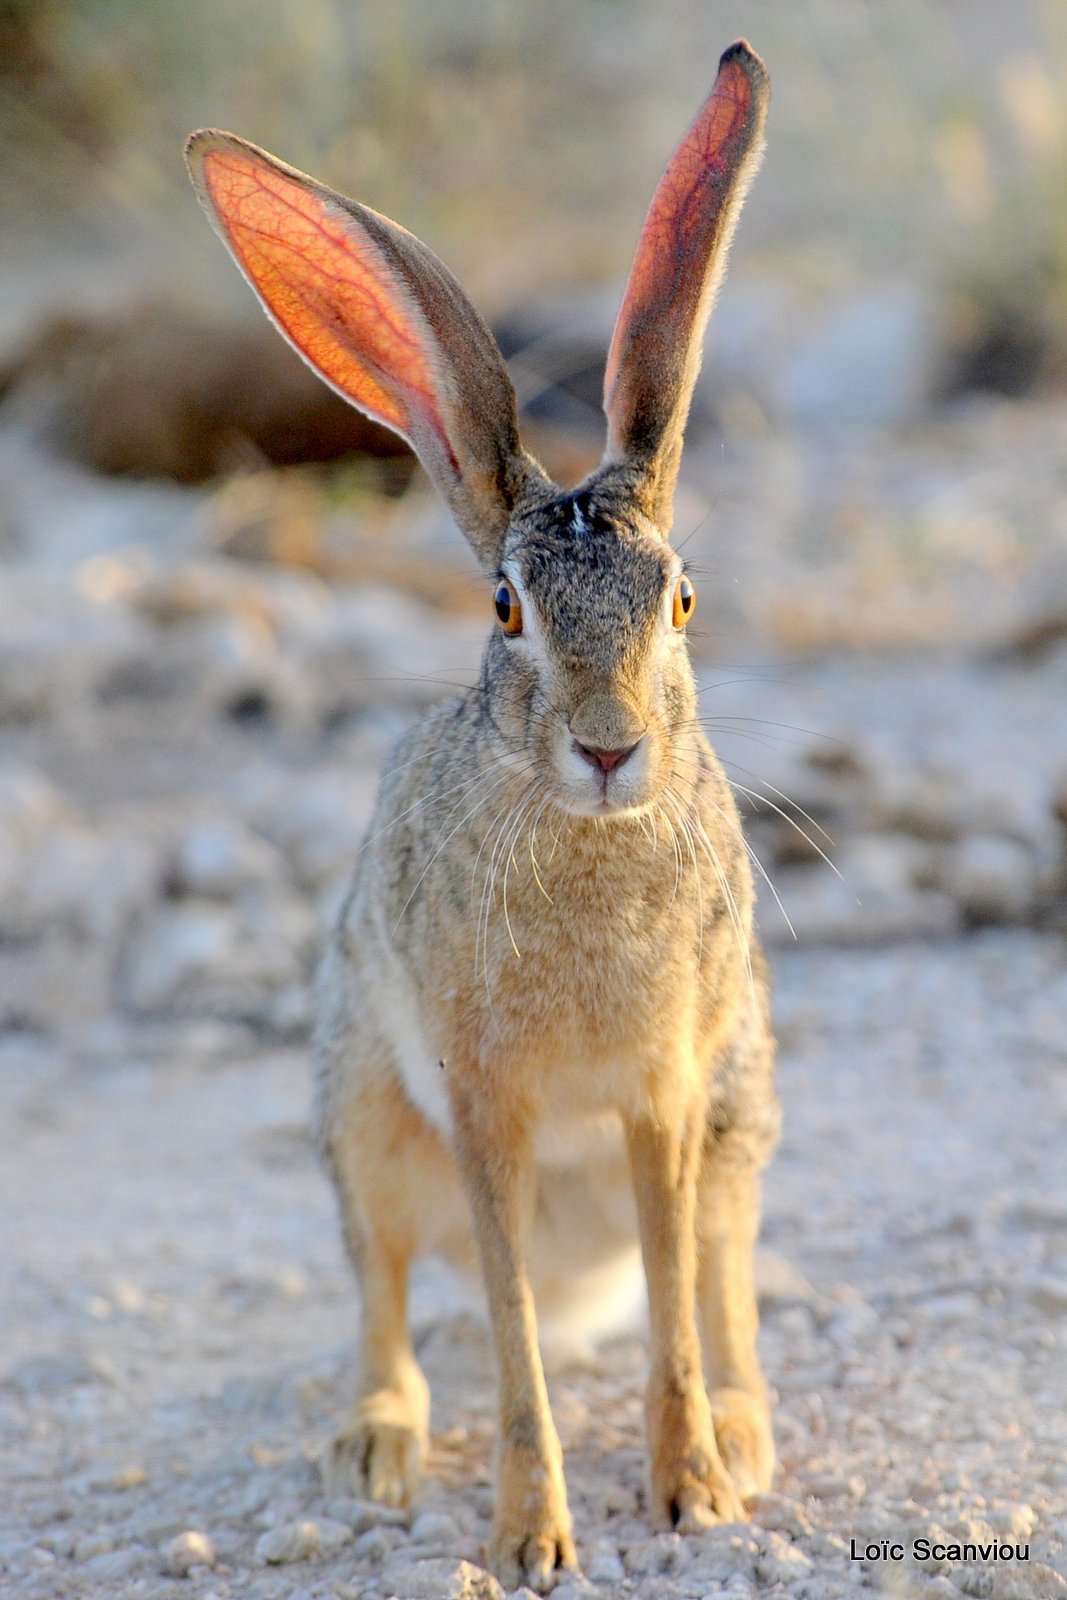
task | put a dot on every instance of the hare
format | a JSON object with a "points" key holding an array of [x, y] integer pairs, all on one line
{"points": [[543, 1043]]}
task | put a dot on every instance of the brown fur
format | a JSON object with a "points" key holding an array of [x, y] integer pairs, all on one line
{"points": [[543, 1026]]}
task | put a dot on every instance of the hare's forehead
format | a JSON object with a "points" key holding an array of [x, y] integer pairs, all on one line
{"points": [[600, 578]]}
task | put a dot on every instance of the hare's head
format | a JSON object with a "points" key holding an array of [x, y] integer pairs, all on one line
{"points": [[587, 670]]}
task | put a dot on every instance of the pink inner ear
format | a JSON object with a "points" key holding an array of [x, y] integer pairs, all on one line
{"points": [[328, 288], [674, 240]]}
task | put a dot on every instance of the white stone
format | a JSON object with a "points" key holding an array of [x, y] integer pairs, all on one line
{"points": [[606, 1568], [439, 1578], [190, 1549], [296, 1541], [665, 1553], [434, 1527], [218, 859]]}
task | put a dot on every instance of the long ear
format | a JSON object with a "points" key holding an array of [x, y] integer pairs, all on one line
{"points": [[380, 318], [655, 350]]}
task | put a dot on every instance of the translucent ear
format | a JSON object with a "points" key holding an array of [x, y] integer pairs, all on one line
{"points": [[377, 315], [656, 347]]}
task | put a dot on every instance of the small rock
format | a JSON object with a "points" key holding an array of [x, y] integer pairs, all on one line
{"points": [[1050, 1294], [831, 1486], [93, 1544], [376, 1545], [993, 878], [114, 1565], [439, 1579], [201, 958], [781, 1561], [575, 1587], [218, 859], [606, 1568], [854, 1324], [667, 1552], [318, 824], [727, 1554], [778, 1514], [434, 1527], [179, 947], [1013, 1520], [778, 1283], [359, 1515], [190, 1549], [296, 1541]]}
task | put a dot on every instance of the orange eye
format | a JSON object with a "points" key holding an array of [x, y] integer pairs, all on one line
{"points": [[507, 607], [685, 602]]}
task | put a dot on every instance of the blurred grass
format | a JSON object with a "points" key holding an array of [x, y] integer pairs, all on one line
{"points": [[523, 141]]}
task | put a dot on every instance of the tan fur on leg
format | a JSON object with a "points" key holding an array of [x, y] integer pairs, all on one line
{"points": [[728, 1225], [690, 1485], [532, 1529], [381, 1448]]}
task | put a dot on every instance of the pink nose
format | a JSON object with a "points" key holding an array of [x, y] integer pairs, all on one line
{"points": [[606, 760]]}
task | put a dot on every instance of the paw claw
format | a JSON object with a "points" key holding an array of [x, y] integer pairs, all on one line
{"points": [[380, 1456], [745, 1439], [536, 1560]]}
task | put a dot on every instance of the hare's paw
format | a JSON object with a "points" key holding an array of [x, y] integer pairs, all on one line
{"points": [[691, 1488], [532, 1542], [380, 1455], [745, 1439]]}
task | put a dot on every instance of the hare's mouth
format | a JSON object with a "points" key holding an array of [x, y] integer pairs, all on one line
{"points": [[597, 781]]}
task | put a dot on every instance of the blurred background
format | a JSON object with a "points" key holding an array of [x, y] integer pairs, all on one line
{"points": [[223, 594]]}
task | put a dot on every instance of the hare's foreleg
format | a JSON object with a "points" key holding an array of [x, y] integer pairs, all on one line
{"points": [[385, 1163], [690, 1485], [728, 1222], [532, 1527], [740, 1132]]}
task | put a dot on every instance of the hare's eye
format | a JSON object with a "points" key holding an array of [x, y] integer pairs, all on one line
{"points": [[508, 609], [685, 601]]}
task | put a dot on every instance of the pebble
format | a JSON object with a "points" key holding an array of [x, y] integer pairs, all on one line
{"points": [[439, 1578], [434, 1527], [376, 1544], [296, 1541], [359, 1515], [1014, 1521], [1049, 1293], [993, 878], [199, 957], [605, 1568], [93, 1544], [114, 1565], [781, 1561], [729, 1553], [778, 1283], [665, 1553], [190, 1549], [575, 1586], [217, 859], [776, 1513]]}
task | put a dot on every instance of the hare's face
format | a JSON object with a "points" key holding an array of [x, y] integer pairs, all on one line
{"points": [[595, 688]]}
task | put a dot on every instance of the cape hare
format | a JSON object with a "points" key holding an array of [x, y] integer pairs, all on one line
{"points": [[543, 1028]]}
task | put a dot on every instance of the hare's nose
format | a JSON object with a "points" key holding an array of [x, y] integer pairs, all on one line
{"points": [[606, 760]]}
